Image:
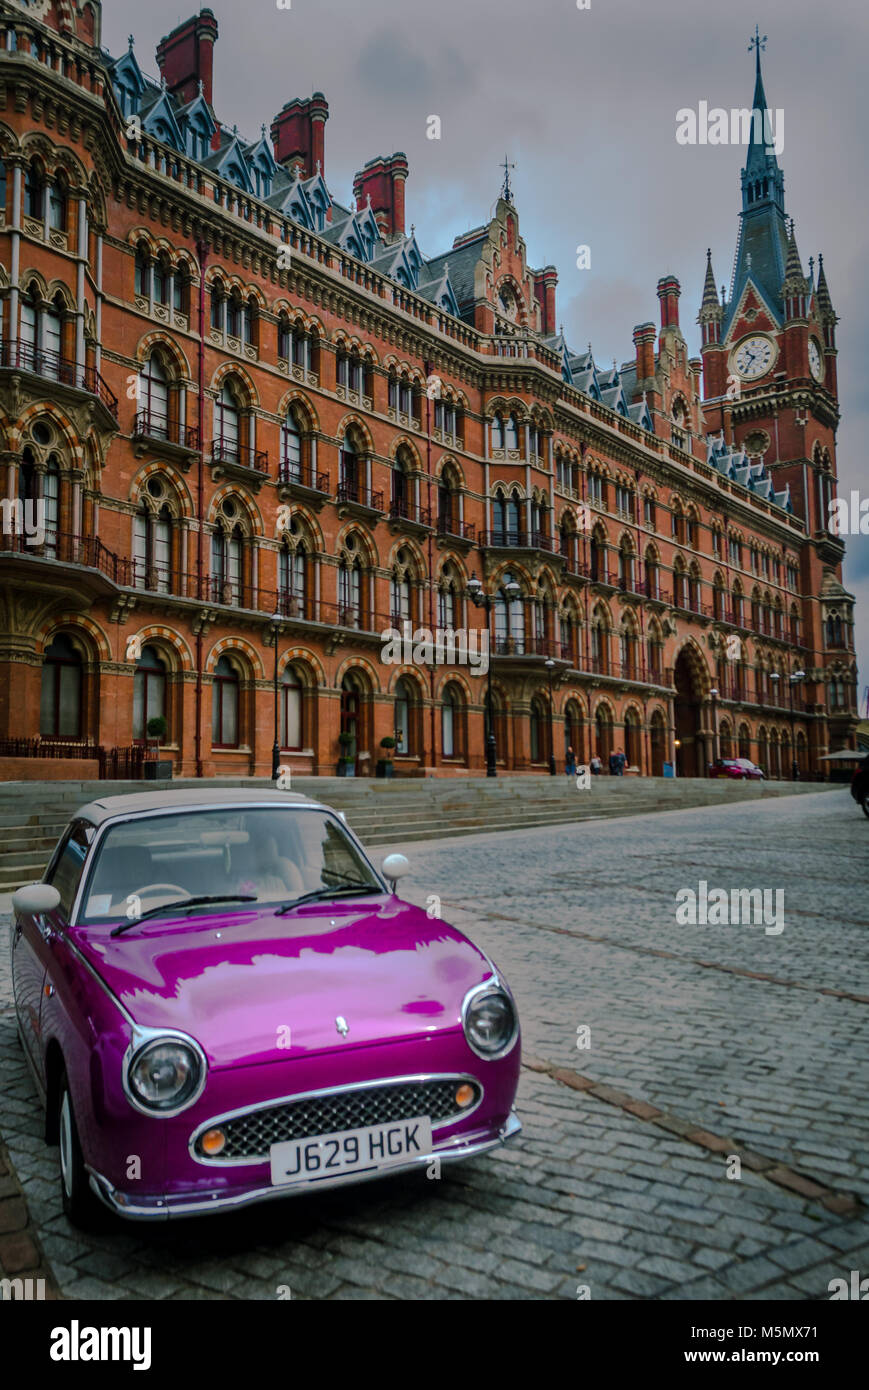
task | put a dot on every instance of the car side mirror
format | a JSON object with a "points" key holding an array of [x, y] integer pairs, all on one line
{"points": [[35, 899], [394, 867]]}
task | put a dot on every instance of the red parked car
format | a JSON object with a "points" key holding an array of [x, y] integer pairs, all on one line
{"points": [[742, 768]]}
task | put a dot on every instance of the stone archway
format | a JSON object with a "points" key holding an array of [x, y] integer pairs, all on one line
{"points": [[687, 707]]}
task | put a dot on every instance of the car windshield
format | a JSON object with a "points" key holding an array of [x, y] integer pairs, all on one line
{"points": [[268, 854]]}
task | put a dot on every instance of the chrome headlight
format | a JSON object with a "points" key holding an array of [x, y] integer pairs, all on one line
{"points": [[165, 1073], [490, 1020]]}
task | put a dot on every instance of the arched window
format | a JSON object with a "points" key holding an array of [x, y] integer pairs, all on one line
{"points": [[58, 203], [512, 433], [498, 434], [599, 642], [652, 575], [149, 691], [628, 652], [153, 390], [291, 711], [152, 540], [181, 290], [291, 575], [348, 467], [401, 487], [597, 557], [218, 299], [51, 503], [224, 705], [350, 596], [226, 561], [250, 322], [400, 588], [451, 727], [233, 314], [226, 425], [403, 722], [626, 565], [34, 190], [143, 271], [291, 449], [633, 742], [449, 606], [285, 336], [161, 274], [60, 697], [509, 617]]}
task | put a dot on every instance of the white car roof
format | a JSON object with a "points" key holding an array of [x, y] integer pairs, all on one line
{"points": [[189, 799]]}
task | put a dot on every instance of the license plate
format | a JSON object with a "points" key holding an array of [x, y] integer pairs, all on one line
{"points": [[366, 1150]]}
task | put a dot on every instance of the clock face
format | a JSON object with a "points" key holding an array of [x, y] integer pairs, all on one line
{"points": [[753, 358], [816, 361]]}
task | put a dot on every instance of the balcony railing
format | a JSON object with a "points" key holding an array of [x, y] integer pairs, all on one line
{"points": [[509, 538], [307, 477], [230, 450], [361, 496], [402, 509], [54, 367], [150, 425], [449, 525]]}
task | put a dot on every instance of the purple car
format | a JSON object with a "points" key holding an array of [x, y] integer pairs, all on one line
{"points": [[222, 1001]]}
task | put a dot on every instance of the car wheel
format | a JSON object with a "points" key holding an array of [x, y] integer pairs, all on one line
{"points": [[865, 804], [80, 1205]]}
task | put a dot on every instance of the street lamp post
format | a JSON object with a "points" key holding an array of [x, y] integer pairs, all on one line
{"points": [[276, 746], [550, 667], [794, 679]]}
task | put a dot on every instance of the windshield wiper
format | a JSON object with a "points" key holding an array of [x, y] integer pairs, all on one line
{"points": [[183, 903], [352, 888]]}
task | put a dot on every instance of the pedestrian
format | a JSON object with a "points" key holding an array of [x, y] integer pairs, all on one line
{"points": [[595, 766], [617, 763], [570, 762]]}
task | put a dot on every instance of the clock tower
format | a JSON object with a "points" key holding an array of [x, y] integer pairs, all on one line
{"points": [[769, 378]]}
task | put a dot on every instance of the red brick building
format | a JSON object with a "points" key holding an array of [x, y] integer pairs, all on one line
{"points": [[245, 409]]}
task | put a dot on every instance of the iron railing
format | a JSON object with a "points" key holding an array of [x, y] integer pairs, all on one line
{"points": [[53, 366]]}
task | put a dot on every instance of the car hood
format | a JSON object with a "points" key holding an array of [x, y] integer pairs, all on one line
{"points": [[270, 987]]}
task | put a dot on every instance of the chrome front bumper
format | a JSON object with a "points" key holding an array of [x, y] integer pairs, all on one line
{"points": [[165, 1207]]}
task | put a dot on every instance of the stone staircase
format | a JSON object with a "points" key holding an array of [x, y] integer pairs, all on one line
{"points": [[383, 813]]}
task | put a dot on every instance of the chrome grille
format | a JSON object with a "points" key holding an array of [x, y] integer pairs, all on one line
{"points": [[249, 1136]]}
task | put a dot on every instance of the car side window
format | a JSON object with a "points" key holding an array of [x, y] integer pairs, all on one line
{"points": [[65, 873]]}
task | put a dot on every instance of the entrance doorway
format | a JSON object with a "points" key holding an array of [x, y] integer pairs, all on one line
{"points": [[686, 708]]}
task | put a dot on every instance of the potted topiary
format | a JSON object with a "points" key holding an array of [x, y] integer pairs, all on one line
{"points": [[155, 768], [385, 765], [346, 762]]}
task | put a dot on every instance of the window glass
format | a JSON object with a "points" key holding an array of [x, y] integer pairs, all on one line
{"points": [[268, 851], [65, 873]]}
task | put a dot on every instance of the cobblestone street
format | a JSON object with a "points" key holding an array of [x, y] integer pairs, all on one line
{"points": [[704, 1041]]}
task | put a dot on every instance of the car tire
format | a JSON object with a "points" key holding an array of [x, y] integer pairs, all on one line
{"points": [[865, 804], [81, 1206]]}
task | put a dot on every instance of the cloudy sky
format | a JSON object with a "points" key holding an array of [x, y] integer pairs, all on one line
{"points": [[584, 102]]}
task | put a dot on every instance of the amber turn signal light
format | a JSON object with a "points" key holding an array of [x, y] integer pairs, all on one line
{"points": [[213, 1142], [464, 1095]]}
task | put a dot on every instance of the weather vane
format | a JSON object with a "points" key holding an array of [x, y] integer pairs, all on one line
{"points": [[506, 191], [757, 42]]}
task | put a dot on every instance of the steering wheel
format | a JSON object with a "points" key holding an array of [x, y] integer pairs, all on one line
{"points": [[151, 888]]}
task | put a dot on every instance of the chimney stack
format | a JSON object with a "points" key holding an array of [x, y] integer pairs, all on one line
{"points": [[383, 180], [545, 281], [186, 57], [669, 291], [644, 344], [299, 135]]}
